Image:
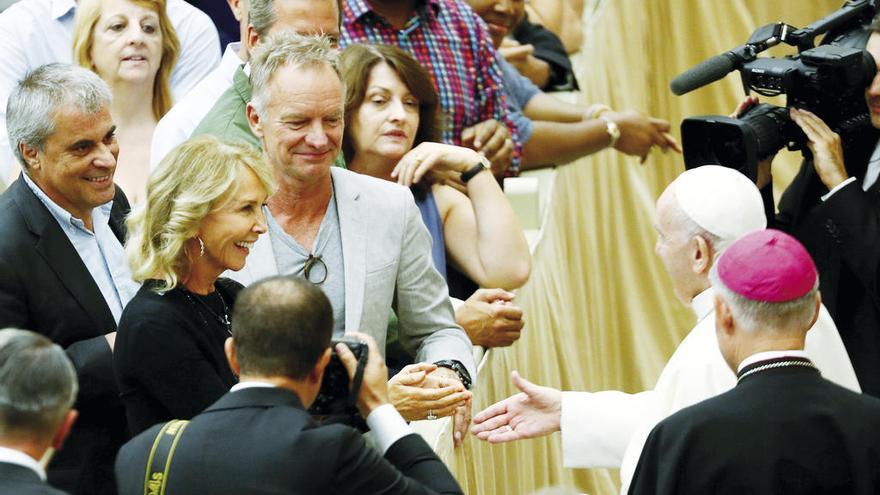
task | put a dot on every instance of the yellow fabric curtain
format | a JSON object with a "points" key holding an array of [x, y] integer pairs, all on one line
{"points": [[599, 308]]}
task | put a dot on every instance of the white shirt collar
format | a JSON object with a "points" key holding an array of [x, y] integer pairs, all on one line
{"points": [[703, 303], [61, 8], [99, 214], [767, 355], [249, 384], [18, 457], [231, 54]]}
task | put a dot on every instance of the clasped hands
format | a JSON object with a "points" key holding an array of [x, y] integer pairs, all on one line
{"points": [[425, 391]]}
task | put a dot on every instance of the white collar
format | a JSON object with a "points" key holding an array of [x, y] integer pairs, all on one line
{"points": [[232, 50], [61, 8], [767, 355], [19, 458], [703, 303], [250, 384]]}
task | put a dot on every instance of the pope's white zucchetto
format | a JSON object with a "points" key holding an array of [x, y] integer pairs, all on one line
{"points": [[720, 200]]}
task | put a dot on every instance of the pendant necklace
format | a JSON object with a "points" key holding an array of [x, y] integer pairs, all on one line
{"points": [[221, 319]]}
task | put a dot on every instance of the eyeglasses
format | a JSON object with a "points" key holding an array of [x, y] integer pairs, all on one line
{"points": [[315, 270]]}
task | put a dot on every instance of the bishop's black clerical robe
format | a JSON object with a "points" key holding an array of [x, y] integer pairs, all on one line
{"points": [[779, 431]]}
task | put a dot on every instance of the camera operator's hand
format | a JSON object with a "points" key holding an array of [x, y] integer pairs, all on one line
{"points": [[374, 388], [417, 393], [638, 133], [764, 175], [825, 145]]}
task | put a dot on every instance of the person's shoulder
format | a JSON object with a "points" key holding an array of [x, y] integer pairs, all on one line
{"points": [[229, 286], [133, 454], [221, 119], [370, 187], [334, 439], [28, 9], [13, 221], [180, 11], [702, 414], [850, 401], [150, 311]]}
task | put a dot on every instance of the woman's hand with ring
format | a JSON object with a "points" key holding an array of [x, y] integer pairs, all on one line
{"points": [[414, 393], [437, 157]]}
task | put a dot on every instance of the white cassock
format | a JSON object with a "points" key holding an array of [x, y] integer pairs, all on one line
{"points": [[609, 429]]}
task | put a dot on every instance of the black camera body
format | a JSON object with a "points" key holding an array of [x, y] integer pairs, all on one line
{"points": [[336, 396], [828, 80]]}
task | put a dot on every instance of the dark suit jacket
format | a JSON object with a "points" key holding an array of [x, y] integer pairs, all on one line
{"points": [[779, 431], [261, 441], [843, 237], [45, 287], [19, 480]]}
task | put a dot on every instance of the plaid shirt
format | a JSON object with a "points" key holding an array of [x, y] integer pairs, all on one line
{"points": [[453, 44]]}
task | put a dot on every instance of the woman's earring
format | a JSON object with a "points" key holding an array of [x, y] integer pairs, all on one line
{"points": [[201, 246]]}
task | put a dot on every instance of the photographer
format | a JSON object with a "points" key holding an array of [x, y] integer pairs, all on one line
{"points": [[258, 438], [832, 206]]}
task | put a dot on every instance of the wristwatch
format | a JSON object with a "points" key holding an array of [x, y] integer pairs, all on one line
{"points": [[459, 369], [471, 172], [613, 130]]}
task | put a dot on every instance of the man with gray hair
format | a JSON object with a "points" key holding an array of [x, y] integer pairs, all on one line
{"points": [[37, 390], [361, 239], [782, 428], [228, 118], [63, 272], [698, 215]]}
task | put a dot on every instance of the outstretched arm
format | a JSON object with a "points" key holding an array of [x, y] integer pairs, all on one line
{"points": [[553, 143], [534, 412]]}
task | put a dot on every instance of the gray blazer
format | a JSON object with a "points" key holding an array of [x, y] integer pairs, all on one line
{"points": [[387, 255]]}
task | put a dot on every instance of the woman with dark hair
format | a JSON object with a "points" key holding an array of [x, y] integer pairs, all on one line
{"points": [[391, 124]]}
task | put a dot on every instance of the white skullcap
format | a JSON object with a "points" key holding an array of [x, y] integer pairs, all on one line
{"points": [[721, 201]]}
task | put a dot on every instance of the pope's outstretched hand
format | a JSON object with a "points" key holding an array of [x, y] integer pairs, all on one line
{"points": [[534, 412]]}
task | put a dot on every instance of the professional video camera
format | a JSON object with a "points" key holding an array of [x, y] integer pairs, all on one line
{"points": [[828, 80]]}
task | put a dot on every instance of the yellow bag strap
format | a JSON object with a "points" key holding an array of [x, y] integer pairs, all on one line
{"points": [[159, 460]]}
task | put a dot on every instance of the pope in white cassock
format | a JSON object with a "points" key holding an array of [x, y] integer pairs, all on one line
{"points": [[698, 215]]}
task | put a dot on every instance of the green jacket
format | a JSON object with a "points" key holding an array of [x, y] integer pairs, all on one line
{"points": [[228, 118]]}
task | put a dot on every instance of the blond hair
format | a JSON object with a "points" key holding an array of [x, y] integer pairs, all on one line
{"points": [[87, 14], [184, 190]]}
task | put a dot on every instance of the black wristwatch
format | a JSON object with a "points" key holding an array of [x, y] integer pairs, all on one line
{"points": [[471, 172], [459, 369]]}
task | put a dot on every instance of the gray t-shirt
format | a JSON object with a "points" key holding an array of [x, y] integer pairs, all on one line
{"points": [[291, 259]]}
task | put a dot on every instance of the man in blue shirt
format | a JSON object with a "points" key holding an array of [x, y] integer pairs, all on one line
{"points": [[62, 267]]}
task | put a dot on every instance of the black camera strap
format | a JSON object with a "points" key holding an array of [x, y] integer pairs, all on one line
{"points": [[357, 379], [159, 461]]}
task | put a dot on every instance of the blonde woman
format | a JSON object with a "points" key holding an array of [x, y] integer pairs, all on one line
{"points": [[202, 213], [132, 45]]}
